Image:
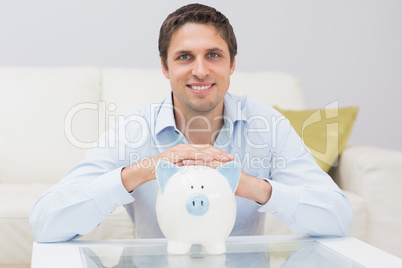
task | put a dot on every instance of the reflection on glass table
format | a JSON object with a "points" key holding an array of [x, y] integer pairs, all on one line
{"points": [[270, 254]]}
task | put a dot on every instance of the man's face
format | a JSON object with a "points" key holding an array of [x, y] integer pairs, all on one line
{"points": [[199, 69]]}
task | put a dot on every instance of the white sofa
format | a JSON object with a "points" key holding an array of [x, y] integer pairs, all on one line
{"points": [[49, 116]]}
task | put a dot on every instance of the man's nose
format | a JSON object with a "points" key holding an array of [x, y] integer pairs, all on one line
{"points": [[200, 68]]}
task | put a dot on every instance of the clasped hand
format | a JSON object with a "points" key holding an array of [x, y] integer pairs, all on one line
{"points": [[194, 154]]}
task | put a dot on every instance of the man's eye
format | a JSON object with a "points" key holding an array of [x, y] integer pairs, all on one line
{"points": [[213, 55], [184, 57]]}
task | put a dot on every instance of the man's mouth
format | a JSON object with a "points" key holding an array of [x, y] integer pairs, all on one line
{"points": [[200, 88]]}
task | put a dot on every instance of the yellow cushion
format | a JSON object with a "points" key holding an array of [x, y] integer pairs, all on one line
{"points": [[325, 132]]}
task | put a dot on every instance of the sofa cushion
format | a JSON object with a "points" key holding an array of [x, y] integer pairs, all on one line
{"points": [[375, 174], [35, 103], [16, 202], [271, 88], [126, 89], [325, 132], [360, 211]]}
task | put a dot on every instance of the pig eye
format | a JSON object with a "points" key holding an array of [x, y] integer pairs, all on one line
{"points": [[192, 187], [202, 186]]}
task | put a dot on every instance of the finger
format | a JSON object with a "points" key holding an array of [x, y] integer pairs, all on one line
{"points": [[191, 162], [218, 154], [213, 164], [210, 152], [204, 152]]}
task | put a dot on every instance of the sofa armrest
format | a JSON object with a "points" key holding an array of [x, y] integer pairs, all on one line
{"points": [[364, 166], [375, 174]]}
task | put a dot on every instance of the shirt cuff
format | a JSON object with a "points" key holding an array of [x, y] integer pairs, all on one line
{"points": [[109, 192], [283, 202]]}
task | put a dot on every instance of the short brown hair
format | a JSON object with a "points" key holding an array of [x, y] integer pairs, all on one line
{"points": [[196, 13]]}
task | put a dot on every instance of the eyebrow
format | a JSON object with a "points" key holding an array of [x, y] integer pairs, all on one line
{"points": [[180, 52], [214, 49]]}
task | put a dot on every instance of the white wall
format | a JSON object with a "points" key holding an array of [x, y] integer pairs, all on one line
{"points": [[346, 50]]}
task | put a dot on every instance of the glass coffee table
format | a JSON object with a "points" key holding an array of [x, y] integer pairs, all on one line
{"points": [[250, 251]]}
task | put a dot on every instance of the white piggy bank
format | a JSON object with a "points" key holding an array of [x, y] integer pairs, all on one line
{"points": [[196, 205]]}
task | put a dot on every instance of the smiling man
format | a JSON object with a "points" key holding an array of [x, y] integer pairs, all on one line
{"points": [[199, 66], [199, 123]]}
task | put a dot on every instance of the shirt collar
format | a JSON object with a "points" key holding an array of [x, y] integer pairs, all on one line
{"points": [[164, 115], [233, 108]]}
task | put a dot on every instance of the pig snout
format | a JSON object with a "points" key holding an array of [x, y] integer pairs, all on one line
{"points": [[197, 204]]}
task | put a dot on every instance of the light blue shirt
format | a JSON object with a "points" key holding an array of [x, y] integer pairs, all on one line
{"points": [[303, 196]]}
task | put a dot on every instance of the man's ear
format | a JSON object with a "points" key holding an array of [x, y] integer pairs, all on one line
{"points": [[232, 67], [164, 70]]}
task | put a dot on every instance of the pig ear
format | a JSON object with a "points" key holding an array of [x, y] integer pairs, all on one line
{"points": [[231, 171], [164, 171]]}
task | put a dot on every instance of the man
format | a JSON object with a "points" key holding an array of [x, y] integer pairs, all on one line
{"points": [[199, 123]]}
